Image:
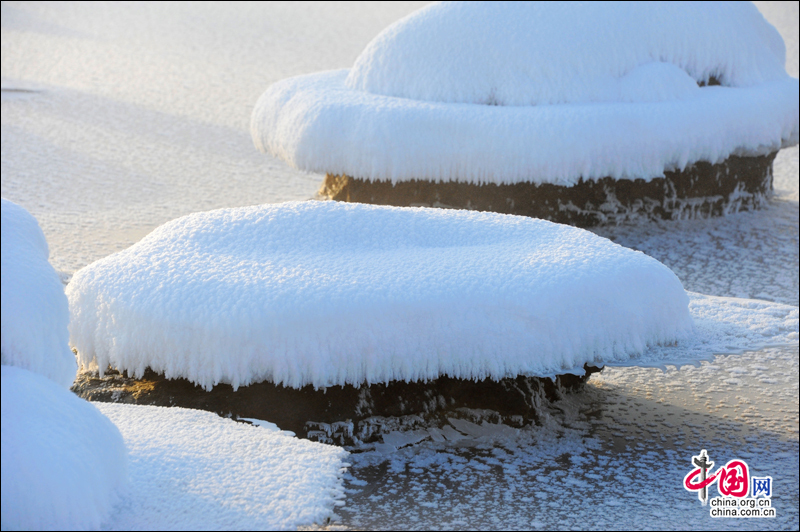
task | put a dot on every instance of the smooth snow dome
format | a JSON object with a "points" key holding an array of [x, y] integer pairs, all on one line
{"points": [[35, 313], [536, 53], [541, 92], [63, 461], [325, 293]]}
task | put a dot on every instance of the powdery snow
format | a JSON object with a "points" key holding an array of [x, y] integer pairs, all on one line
{"points": [[63, 462], [538, 53], [326, 293], [192, 470], [35, 313], [438, 95]]}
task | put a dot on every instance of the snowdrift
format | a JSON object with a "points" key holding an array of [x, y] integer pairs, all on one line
{"points": [[35, 313]]}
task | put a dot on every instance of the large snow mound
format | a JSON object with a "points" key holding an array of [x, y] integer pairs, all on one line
{"points": [[63, 462], [535, 53], [193, 470], [326, 293], [35, 313], [541, 92]]}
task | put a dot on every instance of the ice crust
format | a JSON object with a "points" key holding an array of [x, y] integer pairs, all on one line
{"points": [[467, 92], [193, 470], [325, 293], [35, 312], [64, 463]]}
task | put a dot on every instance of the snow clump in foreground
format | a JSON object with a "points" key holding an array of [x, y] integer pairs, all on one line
{"points": [[543, 92], [35, 313], [63, 462], [193, 470], [325, 293]]}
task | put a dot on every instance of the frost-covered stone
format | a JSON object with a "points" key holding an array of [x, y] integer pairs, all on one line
{"points": [[35, 313], [548, 93], [326, 293], [63, 462]]}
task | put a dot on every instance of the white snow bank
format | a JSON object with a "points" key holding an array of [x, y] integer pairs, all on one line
{"points": [[577, 91], [535, 53], [326, 293], [63, 462], [193, 470], [35, 313]]}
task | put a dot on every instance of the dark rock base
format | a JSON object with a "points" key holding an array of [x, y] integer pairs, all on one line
{"points": [[344, 415], [699, 191]]}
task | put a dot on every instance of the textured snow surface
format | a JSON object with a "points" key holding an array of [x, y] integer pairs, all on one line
{"points": [[328, 293], [139, 113], [535, 53], [64, 463], [193, 470], [35, 313], [500, 92]]}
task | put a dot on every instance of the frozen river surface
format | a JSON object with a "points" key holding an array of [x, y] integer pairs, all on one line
{"points": [[119, 117]]}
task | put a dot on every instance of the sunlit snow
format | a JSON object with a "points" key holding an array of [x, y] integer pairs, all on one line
{"points": [[491, 92], [117, 118]]}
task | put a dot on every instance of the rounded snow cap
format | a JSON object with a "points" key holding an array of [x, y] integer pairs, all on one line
{"points": [[541, 92], [533, 53], [35, 312]]}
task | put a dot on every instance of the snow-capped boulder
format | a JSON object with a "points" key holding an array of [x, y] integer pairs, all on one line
{"points": [[326, 293], [545, 93], [35, 313]]}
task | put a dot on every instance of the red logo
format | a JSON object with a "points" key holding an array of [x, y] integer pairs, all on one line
{"points": [[732, 479]]}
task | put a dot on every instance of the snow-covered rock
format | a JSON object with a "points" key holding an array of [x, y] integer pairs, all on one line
{"points": [[543, 92], [35, 313], [63, 462], [326, 293]]}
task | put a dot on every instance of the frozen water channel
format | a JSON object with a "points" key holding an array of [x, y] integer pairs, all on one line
{"points": [[119, 117]]}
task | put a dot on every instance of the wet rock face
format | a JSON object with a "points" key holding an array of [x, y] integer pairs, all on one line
{"points": [[699, 191], [345, 415]]}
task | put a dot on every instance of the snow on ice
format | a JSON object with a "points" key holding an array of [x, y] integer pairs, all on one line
{"points": [[326, 293], [193, 470], [35, 313], [64, 463], [491, 93]]}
